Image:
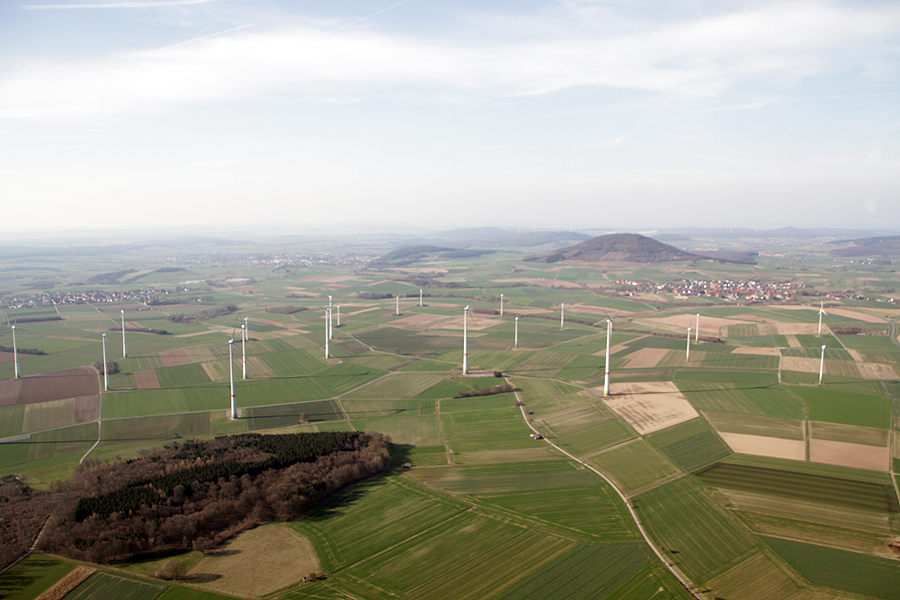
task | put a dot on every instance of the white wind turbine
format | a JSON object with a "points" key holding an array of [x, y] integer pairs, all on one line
{"points": [[501, 306], [687, 354], [821, 314], [609, 322], [245, 333], [516, 344], [420, 297], [397, 311], [230, 344], [466, 317], [562, 316], [124, 350], [338, 307], [697, 331], [822, 365], [327, 330], [105, 372], [330, 320], [15, 349]]}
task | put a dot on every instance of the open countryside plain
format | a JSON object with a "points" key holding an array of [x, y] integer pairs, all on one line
{"points": [[726, 473]]}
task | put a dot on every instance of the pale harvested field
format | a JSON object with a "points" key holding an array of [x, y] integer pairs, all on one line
{"points": [[846, 454], [793, 328], [803, 510], [174, 358], [650, 406], [855, 355], [212, 373], [201, 354], [760, 578], [759, 445], [787, 429], [876, 370], [792, 341], [146, 380], [644, 358], [854, 434], [87, 408], [419, 321], [804, 365], [259, 562], [708, 325], [300, 291], [756, 351], [841, 312], [543, 282], [541, 452], [256, 367]]}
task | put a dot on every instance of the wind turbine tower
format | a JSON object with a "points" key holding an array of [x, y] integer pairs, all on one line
{"points": [[606, 374], [15, 352], [231, 377], [339, 315], [687, 354], [562, 316], [244, 348], [420, 297], [466, 340], [397, 310], [330, 320], [822, 365], [501, 306], [105, 373], [821, 314], [327, 330], [124, 351], [516, 344], [697, 331]]}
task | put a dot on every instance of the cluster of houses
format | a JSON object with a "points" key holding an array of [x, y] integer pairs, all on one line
{"points": [[723, 288]]}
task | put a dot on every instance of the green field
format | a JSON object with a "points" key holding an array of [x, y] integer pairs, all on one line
{"points": [[856, 573], [106, 585]]}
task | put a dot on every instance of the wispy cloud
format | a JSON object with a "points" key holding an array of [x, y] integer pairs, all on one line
{"points": [[131, 4], [702, 57]]}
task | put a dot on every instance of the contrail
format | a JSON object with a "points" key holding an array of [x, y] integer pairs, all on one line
{"points": [[377, 12]]}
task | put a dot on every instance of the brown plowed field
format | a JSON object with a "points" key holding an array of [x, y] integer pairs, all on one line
{"points": [[174, 358], [87, 408], [49, 386], [146, 380]]}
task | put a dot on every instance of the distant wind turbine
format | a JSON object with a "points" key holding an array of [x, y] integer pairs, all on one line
{"points": [[609, 323], [687, 354], [338, 315], [231, 376], [562, 315], [327, 330], [330, 320], [697, 332], [465, 365], [821, 314], [822, 365], [244, 335], [397, 312], [516, 345], [124, 350], [501, 305], [105, 372], [420, 296], [15, 349]]}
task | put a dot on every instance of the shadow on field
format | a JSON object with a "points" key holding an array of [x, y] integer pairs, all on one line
{"points": [[344, 498], [24, 574], [202, 577]]}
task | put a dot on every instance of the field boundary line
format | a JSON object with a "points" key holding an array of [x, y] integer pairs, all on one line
{"points": [[685, 582]]}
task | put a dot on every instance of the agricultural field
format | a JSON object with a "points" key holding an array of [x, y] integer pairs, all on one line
{"points": [[520, 494]]}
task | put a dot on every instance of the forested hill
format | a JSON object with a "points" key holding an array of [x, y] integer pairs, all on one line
{"points": [[628, 247]]}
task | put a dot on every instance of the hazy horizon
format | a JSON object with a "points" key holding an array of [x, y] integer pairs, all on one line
{"points": [[589, 115]]}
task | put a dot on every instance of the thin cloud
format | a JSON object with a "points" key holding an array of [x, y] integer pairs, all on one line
{"points": [[134, 4], [695, 59]]}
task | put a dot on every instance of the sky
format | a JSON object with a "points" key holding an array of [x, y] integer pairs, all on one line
{"points": [[626, 115]]}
